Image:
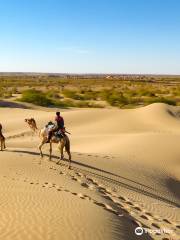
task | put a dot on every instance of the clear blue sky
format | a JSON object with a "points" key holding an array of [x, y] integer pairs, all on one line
{"points": [[90, 36]]}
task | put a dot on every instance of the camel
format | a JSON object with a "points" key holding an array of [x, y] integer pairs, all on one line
{"points": [[2, 139], [32, 124], [63, 142]]}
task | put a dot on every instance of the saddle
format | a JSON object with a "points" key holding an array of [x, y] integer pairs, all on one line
{"points": [[59, 134]]}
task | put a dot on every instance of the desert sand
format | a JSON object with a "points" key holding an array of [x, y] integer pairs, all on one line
{"points": [[125, 173]]}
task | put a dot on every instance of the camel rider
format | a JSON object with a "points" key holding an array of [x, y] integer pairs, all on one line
{"points": [[59, 126]]}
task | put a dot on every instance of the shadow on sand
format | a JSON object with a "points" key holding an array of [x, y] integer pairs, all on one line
{"points": [[10, 104], [98, 174]]}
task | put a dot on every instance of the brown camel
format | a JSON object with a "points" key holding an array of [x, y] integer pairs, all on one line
{"points": [[2, 139], [32, 123], [63, 142]]}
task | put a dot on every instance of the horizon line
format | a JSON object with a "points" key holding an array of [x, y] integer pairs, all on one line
{"points": [[81, 73]]}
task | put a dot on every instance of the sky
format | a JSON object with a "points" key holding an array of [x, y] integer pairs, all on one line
{"points": [[90, 36]]}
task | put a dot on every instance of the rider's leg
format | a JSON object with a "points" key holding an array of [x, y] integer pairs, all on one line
{"points": [[50, 133]]}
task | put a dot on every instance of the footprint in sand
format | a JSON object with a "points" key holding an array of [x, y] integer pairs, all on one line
{"points": [[155, 225], [79, 174], [136, 223], [138, 209], [92, 181], [73, 178], [87, 197], [130, 203], [145, 217], [119, 204], [66, 190], [107, 197], [85, 185], [80, 195], [166, 221], [106, 207], [149, 214]]}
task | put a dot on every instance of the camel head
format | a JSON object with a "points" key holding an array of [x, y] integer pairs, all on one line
{"points": [[31, 123]]}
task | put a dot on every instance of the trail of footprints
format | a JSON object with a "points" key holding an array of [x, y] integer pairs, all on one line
{"points": [[22, 134], [129, 209], [118, 205]]}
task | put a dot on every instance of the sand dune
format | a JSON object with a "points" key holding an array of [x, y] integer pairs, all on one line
{"points": [[125, 173]]}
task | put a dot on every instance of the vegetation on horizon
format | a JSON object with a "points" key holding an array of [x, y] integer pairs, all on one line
{"points": [[98, 92]]}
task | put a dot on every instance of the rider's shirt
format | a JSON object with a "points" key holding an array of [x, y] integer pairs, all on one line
{"points": [[60, 121]]}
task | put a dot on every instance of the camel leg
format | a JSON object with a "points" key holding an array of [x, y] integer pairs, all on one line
{"points": [[50, 151], [3, 145], [69, 154], [67, 147], [60, 147], [40, 149]]}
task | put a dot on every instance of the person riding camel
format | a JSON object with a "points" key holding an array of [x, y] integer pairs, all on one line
{"points": [[59, 126]]}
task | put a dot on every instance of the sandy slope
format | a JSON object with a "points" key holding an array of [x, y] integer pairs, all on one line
{"points": [[125, 173]]}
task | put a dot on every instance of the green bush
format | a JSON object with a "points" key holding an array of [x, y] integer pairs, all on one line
{"points": [[143, 92], [90, 95], [36, 97], [53, 94], [114, 98], [70, 94], [78, 104], [82, 95]]}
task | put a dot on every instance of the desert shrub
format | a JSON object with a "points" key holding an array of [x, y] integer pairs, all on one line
{"points": [[70, 103], [1, 92], [89, 95], [70, 94], [79, 104], [53, 94], [143, 92], [5, 93], [36, 97], [82, 95], [176, 92], [114, 98], [131, 93], [134, 100]]}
